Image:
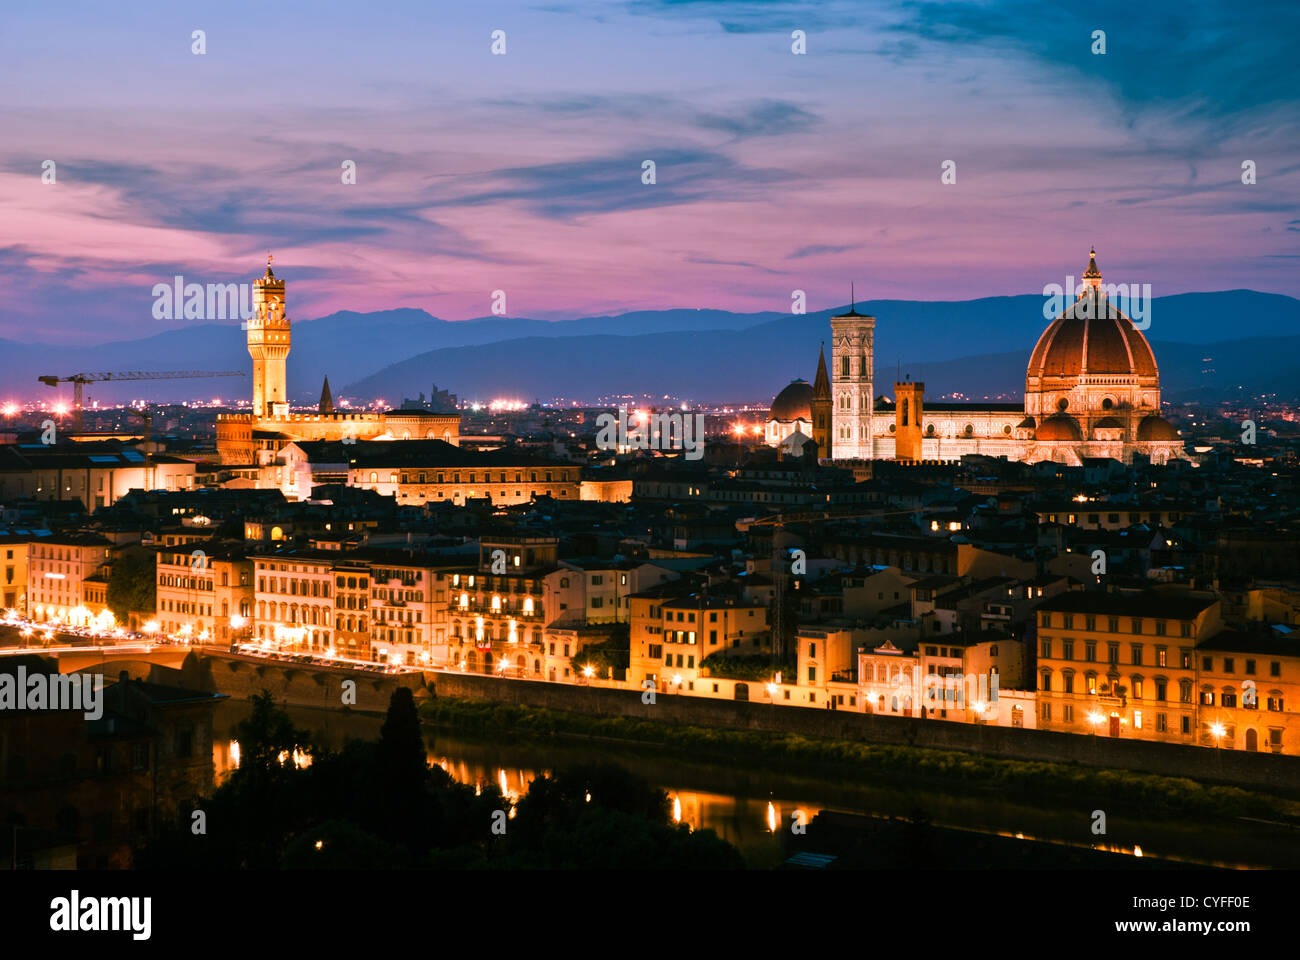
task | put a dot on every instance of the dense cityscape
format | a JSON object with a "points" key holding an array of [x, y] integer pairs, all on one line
{"points": [[1026, 581], [851, 440]]}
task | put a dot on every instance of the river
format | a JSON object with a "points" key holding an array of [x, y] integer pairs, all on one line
{"points": [[753, 808]]}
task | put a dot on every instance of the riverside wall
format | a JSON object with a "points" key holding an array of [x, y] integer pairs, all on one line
{"points": [[319, 686]]}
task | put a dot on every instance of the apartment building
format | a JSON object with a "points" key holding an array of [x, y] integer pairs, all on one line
{"points": [[294, 596], [1248, 691], [1123, 664], [672, 634], [497, 608], [58, 568], [409, 601], [204, 591], [13, 573]]}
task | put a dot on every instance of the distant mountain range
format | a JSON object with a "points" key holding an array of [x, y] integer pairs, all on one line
{"points": [[1207, 344]]}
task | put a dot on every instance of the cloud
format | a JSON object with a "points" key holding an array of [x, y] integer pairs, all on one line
{"points": [[763, 119], [820, 249]]}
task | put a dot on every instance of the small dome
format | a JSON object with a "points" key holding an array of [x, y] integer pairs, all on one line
{"points": [[1108, 423], [1157, 428], [793, 403], [1059, 427], [1027, 424]]}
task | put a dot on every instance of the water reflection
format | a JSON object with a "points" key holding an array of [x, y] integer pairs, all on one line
{"points": [[754, 809]]}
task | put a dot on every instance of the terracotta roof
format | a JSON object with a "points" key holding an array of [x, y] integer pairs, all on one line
{"points": [[793, 403], [1157, 428], [1059, 426], [1073, 345]]}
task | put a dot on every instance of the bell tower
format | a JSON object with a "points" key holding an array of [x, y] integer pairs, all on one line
{"points": [[268, 345], [908, 398], [852, 357]]}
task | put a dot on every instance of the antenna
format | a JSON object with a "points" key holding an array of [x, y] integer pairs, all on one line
{"points": [[853, 299]]}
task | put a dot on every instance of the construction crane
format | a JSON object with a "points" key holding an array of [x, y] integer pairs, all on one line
{"points": [[79, 380]]}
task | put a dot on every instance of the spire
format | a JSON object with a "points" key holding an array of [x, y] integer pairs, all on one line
{"points": [[269, 258], [326, 401], [853, 299], [822, 382], [1092, 272]]}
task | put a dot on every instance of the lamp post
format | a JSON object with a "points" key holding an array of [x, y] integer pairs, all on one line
{"points": [[1095, 718]]}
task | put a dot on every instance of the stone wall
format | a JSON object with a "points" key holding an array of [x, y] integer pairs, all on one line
{"points": [[318, 686], [1228, 766], [299, 685]]}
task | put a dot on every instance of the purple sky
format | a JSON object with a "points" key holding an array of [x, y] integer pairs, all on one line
{"points": [[522, 172]]}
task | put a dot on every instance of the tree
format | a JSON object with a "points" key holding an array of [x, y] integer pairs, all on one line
{"points": [[133, 584], [402, 755]]}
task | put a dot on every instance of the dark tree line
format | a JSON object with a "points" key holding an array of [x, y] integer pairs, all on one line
{"points": [[380, 805]]}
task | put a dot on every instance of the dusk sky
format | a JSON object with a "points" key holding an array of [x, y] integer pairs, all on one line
{"points": [[522, 172]]}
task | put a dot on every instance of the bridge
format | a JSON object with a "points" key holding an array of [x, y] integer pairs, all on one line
{"points": [[107, 658]]}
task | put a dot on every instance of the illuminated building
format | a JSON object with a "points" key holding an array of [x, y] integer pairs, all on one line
{"points": [[257, 437], [498, 608], [432, 471], [204, 591], [294, 596], [671, 635], [1122, 665], [13, 573], [58, 568], [1248, 690], [1092, 390], [97, 475]]}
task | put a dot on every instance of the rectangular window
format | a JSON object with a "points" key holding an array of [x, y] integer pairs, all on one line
{"points": [[1162, 723], [1067, 649], [1045, 648], [1136, 649]]}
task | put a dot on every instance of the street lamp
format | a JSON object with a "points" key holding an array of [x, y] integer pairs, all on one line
{"points": [[1095, 718], [1218, 730]]}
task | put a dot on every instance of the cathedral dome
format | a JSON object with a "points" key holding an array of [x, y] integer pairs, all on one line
{"points": [[1092, 337], [1059, 428], [1072, 346], [1157, 428], [793, 403]]}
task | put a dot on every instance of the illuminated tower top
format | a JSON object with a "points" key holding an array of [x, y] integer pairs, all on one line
{"points": [[269, 340], [1091, 276]]}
